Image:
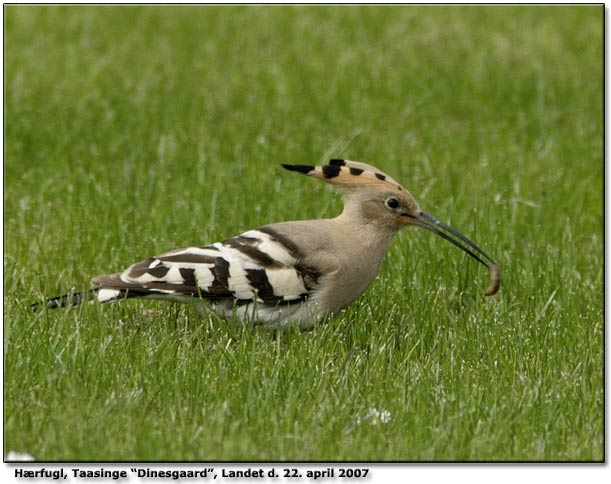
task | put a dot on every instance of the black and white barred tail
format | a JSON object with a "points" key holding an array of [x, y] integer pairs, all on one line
{"points": [[75, 298]]}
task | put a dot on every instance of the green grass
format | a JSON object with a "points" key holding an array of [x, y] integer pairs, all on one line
{"points": [[132, 131]]}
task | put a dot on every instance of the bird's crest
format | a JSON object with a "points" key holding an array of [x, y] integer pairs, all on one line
{"points": [[348, 174]]}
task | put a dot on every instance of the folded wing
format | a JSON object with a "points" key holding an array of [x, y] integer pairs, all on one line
{"points": [[254, 266]]}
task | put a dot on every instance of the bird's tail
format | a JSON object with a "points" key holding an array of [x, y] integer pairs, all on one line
{"points": [[73, 298]]}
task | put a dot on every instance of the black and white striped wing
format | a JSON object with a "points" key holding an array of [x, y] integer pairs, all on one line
{"points": [[254, 266]]}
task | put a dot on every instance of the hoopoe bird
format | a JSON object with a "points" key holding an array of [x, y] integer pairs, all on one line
{"points": [[289, 272]]}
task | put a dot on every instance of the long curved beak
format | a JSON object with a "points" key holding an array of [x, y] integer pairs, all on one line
{"points": [[428, 222]]}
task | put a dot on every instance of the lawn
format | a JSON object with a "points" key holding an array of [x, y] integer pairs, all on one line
{"points": [[131, 131]]}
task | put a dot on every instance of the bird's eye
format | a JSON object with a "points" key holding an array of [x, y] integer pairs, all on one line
{"points": [[392, 202]]}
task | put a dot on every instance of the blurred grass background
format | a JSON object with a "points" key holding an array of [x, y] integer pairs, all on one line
{"points": [[134, 130]]}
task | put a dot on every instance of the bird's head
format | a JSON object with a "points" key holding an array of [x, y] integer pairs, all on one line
{"points": [[376, 198]]}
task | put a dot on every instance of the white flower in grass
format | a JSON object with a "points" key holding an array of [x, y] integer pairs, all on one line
{"points": [[384, 416], [375, 417], [18, 456]]}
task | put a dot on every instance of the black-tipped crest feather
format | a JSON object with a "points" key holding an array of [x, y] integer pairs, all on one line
{"points": [[305, 169]]}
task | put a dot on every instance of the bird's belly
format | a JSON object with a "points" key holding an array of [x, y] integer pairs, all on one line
{"points": [[305, 313]]}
